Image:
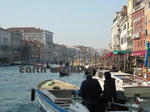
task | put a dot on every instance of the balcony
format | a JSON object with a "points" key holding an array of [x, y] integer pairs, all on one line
{"points": [[138, 5], [137, 20], [136, 35]]}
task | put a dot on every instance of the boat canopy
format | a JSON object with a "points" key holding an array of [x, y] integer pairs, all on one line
{"points": [[122, 52]]}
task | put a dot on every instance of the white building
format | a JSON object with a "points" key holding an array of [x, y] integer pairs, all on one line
{"points": [[47, 40], [117, 27], [116, 32], [124, 34]]}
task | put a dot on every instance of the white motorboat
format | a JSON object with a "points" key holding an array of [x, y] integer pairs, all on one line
{"points": [[132, 85]]}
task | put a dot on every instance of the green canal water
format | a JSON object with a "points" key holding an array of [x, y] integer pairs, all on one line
{"points": [[15, 88]]}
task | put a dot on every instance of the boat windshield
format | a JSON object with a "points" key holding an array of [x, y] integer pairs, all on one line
{"points": [[121, 76], [126, 78]]}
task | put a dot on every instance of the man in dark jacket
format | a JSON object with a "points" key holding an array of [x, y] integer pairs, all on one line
{"points": [[109, 88], [90, 90]]}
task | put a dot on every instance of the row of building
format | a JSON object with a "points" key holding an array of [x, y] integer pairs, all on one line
{"points": [[131, 29], [131, 26], [35, 45], [25, 44]]}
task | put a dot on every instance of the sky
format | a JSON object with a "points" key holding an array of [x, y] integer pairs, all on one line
{"points": [[73, 22]]}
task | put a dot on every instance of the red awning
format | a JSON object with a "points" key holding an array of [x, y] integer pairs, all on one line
{"points": [[108, 55], [139, 53]]}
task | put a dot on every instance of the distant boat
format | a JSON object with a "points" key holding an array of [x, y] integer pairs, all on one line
{"points": [[64, 70], [63, 73], [16, 63]]}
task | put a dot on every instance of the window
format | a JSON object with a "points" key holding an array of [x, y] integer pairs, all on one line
{"points": [[141, 28], [134, 29], [124, 27], [146, 32], [121, 40], [137, 28], [135, 44], [128, 25], [148, 4], [137, 15], [146, 20], [115, 20], [5, 40], [143, 12]]}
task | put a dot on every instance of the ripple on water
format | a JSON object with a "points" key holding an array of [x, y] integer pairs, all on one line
{"points": [[27, 107]]}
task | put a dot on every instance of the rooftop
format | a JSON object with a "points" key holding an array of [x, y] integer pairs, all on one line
{"points": [[25, 29]]}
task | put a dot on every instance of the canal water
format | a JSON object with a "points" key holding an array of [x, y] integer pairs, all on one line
{"points": [[15, 88]]}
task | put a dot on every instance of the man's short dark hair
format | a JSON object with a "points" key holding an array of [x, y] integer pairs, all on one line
{"points": [[88, 76], [107, 75]]}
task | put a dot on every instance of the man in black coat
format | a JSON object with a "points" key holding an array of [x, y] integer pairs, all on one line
{"points": [[109, 88], [90, 90]]}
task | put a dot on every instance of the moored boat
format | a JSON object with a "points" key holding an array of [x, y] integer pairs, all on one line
{"points": [[130, 84], [56, 96]]}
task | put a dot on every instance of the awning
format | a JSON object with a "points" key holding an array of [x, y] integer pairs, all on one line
{"points": [[139, 53], [122, 52], [108, 55]]}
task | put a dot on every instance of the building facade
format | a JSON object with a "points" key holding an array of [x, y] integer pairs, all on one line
{"points": [[118, 22], [16, 45], [47, 40], [5, 46], [130, 4], [138, 14], [115, 31], [42, 40], [124, 34], [147, 20], [65, 54]]}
